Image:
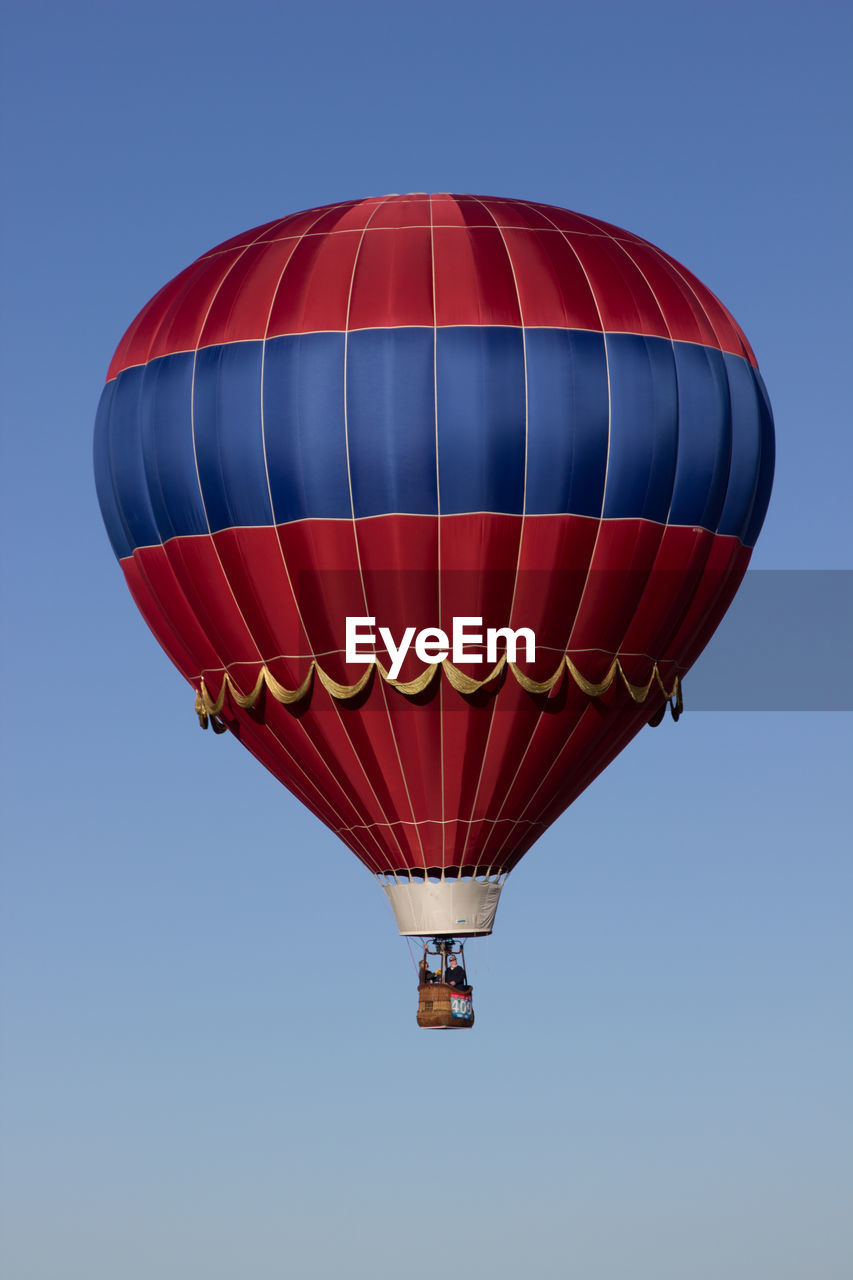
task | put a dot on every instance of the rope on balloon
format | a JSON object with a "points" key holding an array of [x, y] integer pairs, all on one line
{"points": [[209, 708]]}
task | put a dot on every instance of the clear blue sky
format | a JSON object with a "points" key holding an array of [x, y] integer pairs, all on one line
{"points": [[211, 1067]]}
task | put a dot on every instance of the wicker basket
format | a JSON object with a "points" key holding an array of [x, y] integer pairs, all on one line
{"points": [[442, 1007]]}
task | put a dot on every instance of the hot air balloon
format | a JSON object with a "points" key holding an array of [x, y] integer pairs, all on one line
{"points": [[353, 459]]}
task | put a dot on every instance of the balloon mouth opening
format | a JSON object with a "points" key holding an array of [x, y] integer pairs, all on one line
{"points": [[444, 908], [438, 875]]}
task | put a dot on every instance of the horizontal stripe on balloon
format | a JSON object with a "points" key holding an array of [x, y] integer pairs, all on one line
{"points": [[283, 596], [401, 261], [417, 421], [441, 779]]}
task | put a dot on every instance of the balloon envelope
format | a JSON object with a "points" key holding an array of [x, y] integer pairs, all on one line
{"points": [[420, 408]]}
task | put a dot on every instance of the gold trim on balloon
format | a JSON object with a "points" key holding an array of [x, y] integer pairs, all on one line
{"points": [[208, 709]]}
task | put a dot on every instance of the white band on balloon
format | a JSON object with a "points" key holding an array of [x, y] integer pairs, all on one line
{"points": [[458, 908]]}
